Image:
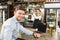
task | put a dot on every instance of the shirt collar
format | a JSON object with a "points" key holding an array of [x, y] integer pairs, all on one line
{"points": [[14, 19]]}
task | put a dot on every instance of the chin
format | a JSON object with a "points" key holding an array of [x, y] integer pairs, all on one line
{"points": [[19, 18]]}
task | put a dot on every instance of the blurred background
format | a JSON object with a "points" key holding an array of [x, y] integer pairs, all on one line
{"points": [[50, 9]]}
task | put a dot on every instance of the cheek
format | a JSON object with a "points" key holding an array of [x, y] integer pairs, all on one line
{"points": [[16, 15], [21, 16]]}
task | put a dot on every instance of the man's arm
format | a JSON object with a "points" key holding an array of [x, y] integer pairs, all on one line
{"points": [[6, 32], [24, 30]]}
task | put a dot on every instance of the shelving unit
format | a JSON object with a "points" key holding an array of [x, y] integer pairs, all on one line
{"points": [[58, 18], [51, 16], [51, 20]]}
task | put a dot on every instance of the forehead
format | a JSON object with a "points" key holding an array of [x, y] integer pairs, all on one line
{"points": [[20, 11]]}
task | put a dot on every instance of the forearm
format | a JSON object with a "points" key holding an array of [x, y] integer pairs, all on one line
{"points": [[26, 31]]}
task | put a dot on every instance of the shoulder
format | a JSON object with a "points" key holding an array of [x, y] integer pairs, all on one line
{"points": [[8, 21]]}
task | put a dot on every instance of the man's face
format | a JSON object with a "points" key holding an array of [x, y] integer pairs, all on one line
{"points": [[19, 14]]}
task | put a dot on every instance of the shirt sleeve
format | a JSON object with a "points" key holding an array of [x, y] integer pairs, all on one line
{"points": [[6, 32], [24, 30], [36, 17]]}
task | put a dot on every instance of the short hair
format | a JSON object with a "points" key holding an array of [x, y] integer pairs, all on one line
{"points": [[18, 7]]}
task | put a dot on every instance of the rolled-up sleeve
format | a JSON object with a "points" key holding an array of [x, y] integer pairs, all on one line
{"points": [[24, 30], [6, 32]]}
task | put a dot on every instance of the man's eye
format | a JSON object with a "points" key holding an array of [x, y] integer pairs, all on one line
{"points": [[23, 14]]}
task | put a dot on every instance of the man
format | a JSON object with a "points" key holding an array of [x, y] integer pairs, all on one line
{"points": [[11, 27]]}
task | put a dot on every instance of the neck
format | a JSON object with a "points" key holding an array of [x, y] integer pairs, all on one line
{"points": [[16, 18]]}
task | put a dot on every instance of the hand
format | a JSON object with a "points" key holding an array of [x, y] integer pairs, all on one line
{"points": [[36, 35]]}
